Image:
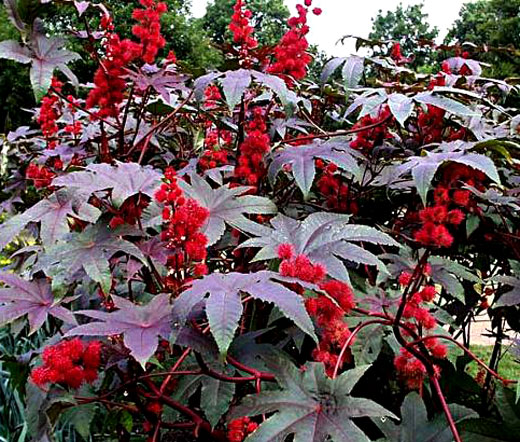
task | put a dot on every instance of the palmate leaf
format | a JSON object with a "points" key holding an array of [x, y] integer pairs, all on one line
{"points": [[226, 206], [140, 325], [423, 168], [31, 298], [89, 251], [511, 297], [401, 107], [45, 55], [124, 179], [447, 104], [326, 238], [302, 159], [52, 213], [310, 405], [224, 306], [415, 425]]}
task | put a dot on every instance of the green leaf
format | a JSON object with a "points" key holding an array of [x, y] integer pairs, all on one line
{"points": [[215, 398], [310, 405]]}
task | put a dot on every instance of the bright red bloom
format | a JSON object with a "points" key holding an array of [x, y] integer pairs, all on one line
{"points": [[242, 31], [41, 175], [69, 363], [148, 31], [367, 140], [240, 428]]}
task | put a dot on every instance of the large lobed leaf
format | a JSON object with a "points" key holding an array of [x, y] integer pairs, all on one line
{"points": [[310, 406], [326, 238], [124, 179], [226, 206], [302, 160], [31, 298], [224, 306], [140, 325]]}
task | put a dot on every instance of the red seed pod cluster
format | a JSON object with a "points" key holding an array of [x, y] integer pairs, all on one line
{"points": [[366, 140], [69, 363], [40, 175], [334, 190], [242, 31], [251, 167], [211, 96], [451, 204], [240, 428], [50, 111], [431, 127], [148, 31], [291, 57], [327, 313], [184, 218]]}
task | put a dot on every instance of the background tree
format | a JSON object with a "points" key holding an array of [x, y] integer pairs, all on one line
{"points": [[406, 26], [269, 19], [495, 23]]}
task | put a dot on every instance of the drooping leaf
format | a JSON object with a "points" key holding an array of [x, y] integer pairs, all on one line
{"points": [[423, 168], [401, 107], [310, 405], [52, 213], [415, 425], [447, 104], [330, 67], [226, 206], [324, 238], [140, 325], [224, 307], [124, 179], [89, 251], [31, 298], [302, 159]]}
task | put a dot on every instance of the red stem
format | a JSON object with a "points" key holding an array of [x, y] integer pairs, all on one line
{"points": [[445, 408]]}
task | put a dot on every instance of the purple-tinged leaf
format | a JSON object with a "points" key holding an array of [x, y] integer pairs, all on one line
{"points": [[352, 72], [302, 159], [12, 50], [330, 67], [140, 325], [32, 298], [160, 81], [401, 107], [234, 84], [21, 132], [13, 14], [203, 82], [447, 104], [124, 179], [324, 237], [223, 306], [288, 98], [511, 297], [89, 251], [299, 409], [52, 213], [226, 206], [81, 7], [423, 168]]}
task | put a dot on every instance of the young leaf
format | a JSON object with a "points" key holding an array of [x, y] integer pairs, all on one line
{"points": [[140, 325], [34, 299], [415, 426], [311, 406], [53, 214], [226, 206], [224, 307], [302, 160], [324, 238], [124, 179]]}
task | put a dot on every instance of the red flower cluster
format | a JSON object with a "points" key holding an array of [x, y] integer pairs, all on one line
{"points": [[109, 84], [430, 127], [50, 111], [184, 218], [411, 370], [367, 139], [242, 31], [335, 191], [257, 143], [327, 313], [211, 96], [397, 56], [41, 175], [239, 429], [148, 31], [215, 154], [291, 54], [69, 363]]}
